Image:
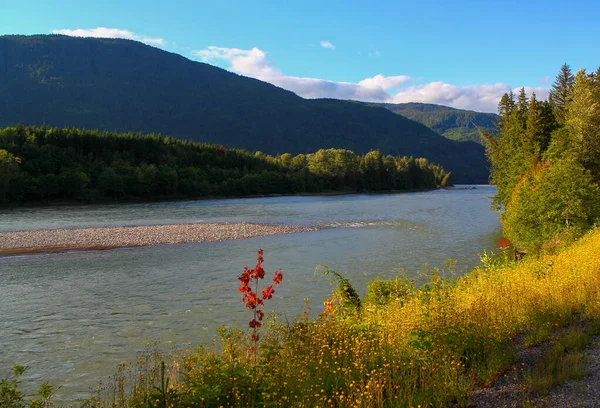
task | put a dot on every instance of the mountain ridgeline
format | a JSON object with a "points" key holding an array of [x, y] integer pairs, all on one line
{"points": [[126, 86], [455, 124]]}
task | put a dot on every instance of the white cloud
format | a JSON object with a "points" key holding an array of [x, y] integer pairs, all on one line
{"points": [[254, 63], [327, 44], [379, 88], [104, 32], [389, 82], [483, 98], [476, 97]]}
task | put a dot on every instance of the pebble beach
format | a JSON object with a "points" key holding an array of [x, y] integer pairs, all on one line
{"points": [[57, 240]]}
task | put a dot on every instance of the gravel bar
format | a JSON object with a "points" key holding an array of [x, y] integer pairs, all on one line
{"points": [[56, 240]]}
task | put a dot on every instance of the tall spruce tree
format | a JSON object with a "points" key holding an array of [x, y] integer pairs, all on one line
{"points": [[560, 94], [522, 105], [505, 106], [540, 124]]}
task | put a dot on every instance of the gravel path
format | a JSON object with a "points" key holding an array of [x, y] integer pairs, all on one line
{"points": [[584, 393], [23, 242], [508, 390]]}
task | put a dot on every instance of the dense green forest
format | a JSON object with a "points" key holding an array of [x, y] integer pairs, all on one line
{"points": [[126, 86], [42, 164], [546, 161], [455, 124]]}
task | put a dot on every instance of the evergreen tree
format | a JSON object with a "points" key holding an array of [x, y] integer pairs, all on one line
{"points": [[506, 105], [9, 168], [546, 161], [522, 106], [583, 122], [534, 127], [508, 153], [560, 93], [540, 124]]}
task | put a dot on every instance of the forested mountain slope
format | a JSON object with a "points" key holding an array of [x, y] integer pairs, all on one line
{"points": [[454, 124], [123, 85]]}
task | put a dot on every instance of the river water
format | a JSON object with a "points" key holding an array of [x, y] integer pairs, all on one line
{"points": [[72, 317]]}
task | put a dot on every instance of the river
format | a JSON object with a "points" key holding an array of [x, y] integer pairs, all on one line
{"points": [[72, 317]]}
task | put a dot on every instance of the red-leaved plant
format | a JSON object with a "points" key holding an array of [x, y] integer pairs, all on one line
{"points": [[251, 298]]}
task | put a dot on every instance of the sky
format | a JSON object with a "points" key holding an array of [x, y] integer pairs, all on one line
{"points": [[463, 54]]}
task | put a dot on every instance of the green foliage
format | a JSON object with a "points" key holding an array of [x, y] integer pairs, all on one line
{"points": [[381, 292], [553, 197], [344, 294], [12, 397], [560, 93], [509, 154], [546, 162], [9, 168], [454, 124], [82, 165], [122, 85], [583, 122]]}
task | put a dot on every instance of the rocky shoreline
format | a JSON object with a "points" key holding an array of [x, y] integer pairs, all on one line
{"points": [[58, 240]]}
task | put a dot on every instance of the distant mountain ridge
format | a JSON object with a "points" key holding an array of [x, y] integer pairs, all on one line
{"points": [[123, 85], [454, 124]]}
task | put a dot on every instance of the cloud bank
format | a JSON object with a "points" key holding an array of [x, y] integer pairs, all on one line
{"points": [[254, 63], [380, 88], [104, 32]]}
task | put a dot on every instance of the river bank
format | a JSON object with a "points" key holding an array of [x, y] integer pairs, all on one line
{"points": [[158, 200], [81, 239]]}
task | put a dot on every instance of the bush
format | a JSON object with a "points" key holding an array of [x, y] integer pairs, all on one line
{"points": [[380, 292], [549, 200]]}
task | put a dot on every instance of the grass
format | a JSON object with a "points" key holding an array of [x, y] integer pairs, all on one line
{"points": [[564, 360]]}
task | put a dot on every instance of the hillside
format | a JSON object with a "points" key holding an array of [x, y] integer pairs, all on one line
{"points": [[123, 85], [454, 124]]}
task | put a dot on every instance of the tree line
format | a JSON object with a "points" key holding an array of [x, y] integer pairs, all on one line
{"points": [[42, 164], [545, 161]]}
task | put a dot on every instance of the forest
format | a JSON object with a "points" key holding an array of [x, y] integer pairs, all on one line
{"points": [[42, 164], [545, 162]]}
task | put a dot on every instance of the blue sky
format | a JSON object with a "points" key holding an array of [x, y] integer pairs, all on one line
{"points": [[458, 53]]}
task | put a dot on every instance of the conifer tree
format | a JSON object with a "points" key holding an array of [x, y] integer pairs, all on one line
{"points": [[546, 161], [506, 105], [534, 127], [522, 105], [540, 124], [560, 94], [583, 122]]}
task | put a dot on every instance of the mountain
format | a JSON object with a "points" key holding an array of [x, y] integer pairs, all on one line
{"points": [[123, 85], [454, 124]]}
